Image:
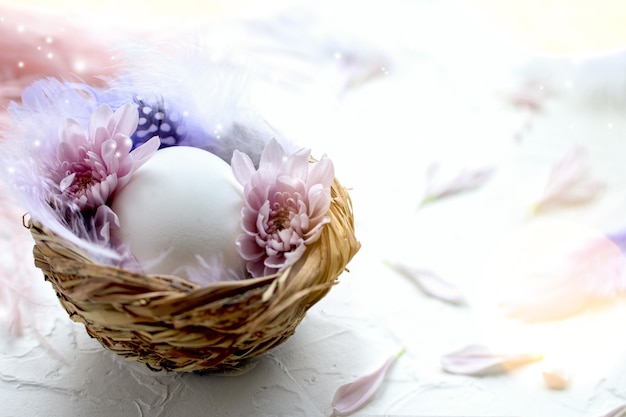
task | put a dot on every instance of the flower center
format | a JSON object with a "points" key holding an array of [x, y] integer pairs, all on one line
{"points": [[279, 218], [83, 180]]}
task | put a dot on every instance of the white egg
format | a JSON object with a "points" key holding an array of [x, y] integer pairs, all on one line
{"points": [[183, 203]]}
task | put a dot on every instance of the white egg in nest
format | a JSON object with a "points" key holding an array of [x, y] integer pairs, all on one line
{"points": [[180, 211]]}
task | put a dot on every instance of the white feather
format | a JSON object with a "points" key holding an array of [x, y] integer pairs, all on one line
{"points": [[213, 95]]}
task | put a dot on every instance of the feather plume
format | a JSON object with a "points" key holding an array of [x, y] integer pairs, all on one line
{"points": [[211, 96], [15, 246], [28, 150]]}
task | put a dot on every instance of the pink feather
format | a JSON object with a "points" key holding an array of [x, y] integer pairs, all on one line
{"points": [[16, 264], [37, 43]]}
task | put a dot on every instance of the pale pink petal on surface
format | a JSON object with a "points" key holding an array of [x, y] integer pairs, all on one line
{"points": [[352, 396], [556, 378], [616, 412], [570, 182], [589, 276], [440, 184], [478, 360], [528, 96], [430, 283]]}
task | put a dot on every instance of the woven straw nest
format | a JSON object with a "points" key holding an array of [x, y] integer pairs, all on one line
{"points": [[173, 324]]}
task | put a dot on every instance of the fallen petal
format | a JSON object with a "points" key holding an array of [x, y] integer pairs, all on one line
{"points": [[569, 182], [591, 275], [440, 185], [556, 378], [353, 395], [529, 95], [478, 360], [430, 283], [616, 412]]}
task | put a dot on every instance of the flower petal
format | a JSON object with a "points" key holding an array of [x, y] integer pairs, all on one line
{"points": [[440, 184], [248, 249], [353, 395], [142, 153], [72, 137], [556, 378], [67, 181], [294, 255], [99, 120], [297, 165], [107, 155], [319, 202], [620, 411], [478, 360], [104, 221], [272, 157], [569, 182], [322, 172], [242, 167], [430, 283], [124, 120], [593, 272]]}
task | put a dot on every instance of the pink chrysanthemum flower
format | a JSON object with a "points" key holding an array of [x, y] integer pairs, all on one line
{"points": [[285, 205], [94, 164]]}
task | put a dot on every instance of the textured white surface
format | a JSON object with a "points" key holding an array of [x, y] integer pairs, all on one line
{"points": [[439, 97]]}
